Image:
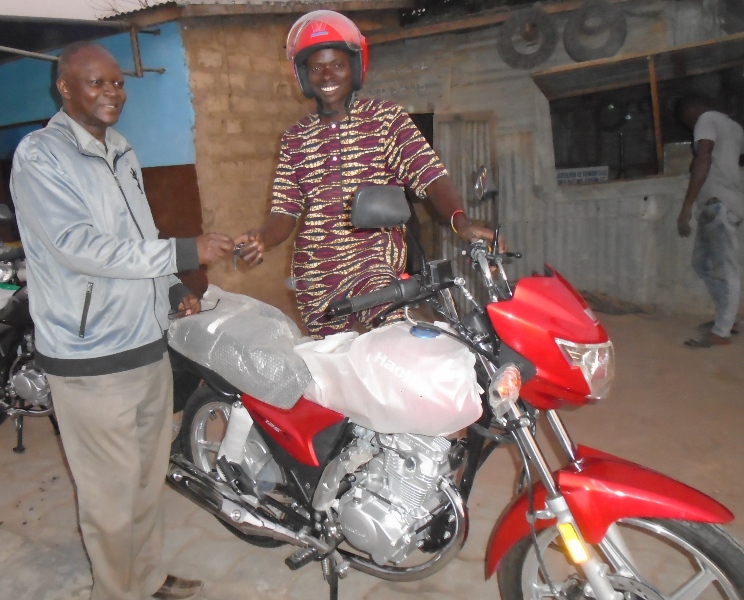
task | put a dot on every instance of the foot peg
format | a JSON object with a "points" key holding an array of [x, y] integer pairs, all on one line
{"points": [[301, 558]]}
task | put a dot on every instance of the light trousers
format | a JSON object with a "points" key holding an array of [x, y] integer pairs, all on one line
{"points": [[116, 433], [715, 259]]}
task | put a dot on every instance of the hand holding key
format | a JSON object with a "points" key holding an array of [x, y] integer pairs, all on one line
{"points": [[250, 248]]}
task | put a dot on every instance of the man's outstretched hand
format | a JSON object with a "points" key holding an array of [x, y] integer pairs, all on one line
{"points": [[213, 247]]}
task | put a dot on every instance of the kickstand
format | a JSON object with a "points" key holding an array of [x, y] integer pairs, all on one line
{"points": [[18, 421], [331, 576], [53, 419]]}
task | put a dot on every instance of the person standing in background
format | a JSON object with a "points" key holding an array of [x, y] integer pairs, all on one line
{"points": [[716, 194]]}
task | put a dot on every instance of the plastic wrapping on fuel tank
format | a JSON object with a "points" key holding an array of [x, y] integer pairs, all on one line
{"points": [[247, 342], [392, 381]]}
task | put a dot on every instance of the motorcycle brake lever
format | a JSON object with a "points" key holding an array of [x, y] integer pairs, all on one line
{"points": [[382, 316]]}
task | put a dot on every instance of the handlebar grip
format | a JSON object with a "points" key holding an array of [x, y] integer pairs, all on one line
{"points": [[400, 289], [8, 253]]}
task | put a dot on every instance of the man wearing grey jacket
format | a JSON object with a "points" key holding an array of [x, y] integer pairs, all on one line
{"points": [[101, 285]]}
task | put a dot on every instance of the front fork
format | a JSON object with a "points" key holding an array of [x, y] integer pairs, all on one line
{"points": [[594, 568]]}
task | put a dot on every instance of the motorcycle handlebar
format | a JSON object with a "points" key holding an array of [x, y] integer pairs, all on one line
{"points": [[479, 248], [400, 289]]}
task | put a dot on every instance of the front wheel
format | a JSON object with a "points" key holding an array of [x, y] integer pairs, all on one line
{"points": [[649, 559]]}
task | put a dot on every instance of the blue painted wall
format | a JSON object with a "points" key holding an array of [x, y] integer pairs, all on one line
{"points": [[158, 119]]}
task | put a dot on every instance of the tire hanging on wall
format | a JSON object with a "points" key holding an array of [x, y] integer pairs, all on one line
{"points": [[596, 30], [533, 27]]}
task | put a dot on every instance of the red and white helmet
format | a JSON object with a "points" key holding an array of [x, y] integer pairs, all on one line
{"points": [[322, 29]]}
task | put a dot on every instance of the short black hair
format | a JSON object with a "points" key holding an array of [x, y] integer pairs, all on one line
{"points": [[70, 51], [690, 101]]}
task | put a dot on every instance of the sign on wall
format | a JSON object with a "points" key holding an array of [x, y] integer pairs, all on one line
{"points": [[583, 175]]}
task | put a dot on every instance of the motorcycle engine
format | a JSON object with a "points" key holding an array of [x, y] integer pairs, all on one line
{"points": [[31, 385], [394, 495]]}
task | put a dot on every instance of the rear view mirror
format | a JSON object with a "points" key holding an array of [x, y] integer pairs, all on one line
{"points": [[6, 215], [379, 207], [485, 187]]}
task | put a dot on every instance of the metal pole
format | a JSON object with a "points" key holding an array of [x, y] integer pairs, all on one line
{"points": [[136, 51], [48, 57]]}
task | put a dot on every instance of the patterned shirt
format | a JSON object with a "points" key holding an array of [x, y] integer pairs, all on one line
{"points": [[320, 168]]}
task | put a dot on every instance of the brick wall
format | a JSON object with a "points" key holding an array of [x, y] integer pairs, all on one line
{"points": [[244, 97]]}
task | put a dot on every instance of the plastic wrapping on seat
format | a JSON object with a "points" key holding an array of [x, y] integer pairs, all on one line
{"points": [[391, 381], [248, 343]]}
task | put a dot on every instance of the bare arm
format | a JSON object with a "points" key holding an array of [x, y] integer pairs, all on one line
{"points": [[699, 170], [275, 229], [446, 200]]}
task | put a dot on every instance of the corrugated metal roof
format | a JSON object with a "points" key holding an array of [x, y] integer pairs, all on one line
{"points": [[37, 35], [205, 7], [282, 4], [613, 73]]}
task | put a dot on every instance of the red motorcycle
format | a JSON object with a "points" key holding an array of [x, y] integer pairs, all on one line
{"points": [[394, 504]]}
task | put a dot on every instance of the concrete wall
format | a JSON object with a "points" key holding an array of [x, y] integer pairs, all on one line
{"points": [[618, 238], [244, 96]]}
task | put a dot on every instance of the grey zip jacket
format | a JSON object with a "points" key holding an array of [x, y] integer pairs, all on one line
{"points": [[98, 276]]}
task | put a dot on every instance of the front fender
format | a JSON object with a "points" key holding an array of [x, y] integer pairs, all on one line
{"points": [[600, 489]]}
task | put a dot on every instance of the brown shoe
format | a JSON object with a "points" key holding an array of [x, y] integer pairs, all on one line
{"points": [[176, 588], [707, 340]]}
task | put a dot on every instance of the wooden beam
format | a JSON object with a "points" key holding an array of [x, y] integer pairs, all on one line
{"points": [[481, 19], [597, 89], [657, 114], [641, 54]]}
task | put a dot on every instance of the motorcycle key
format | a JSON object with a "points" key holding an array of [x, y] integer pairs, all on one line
{"points": [[236, 254]]}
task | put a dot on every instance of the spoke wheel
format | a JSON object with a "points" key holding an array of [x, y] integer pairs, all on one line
{"points": [[204, 425], [649, 560]]}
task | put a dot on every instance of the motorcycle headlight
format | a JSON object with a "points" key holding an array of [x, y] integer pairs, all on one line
{"points": [[6, 271], [596, 361]]}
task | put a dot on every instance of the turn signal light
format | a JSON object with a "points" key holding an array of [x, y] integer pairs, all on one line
{"points": [[504, 389], [508, 382]]}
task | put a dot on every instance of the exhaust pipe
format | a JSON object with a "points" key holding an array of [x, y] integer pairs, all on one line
{"points": [[220, 500]]}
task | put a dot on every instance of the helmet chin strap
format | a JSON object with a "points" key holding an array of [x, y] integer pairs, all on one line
{"points": [[324, 112]]}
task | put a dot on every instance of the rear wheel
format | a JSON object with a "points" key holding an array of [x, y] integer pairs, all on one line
{"points": [[649, 559], [203, 427]]}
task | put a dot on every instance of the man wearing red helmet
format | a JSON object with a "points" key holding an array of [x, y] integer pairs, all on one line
{"points": [[325, 157]]}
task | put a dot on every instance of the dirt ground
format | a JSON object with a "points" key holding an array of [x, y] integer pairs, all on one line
{"points": [[675, 409]]}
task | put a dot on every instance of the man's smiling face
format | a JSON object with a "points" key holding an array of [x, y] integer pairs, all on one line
{"points": [[329, 73], [92, 89]]}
